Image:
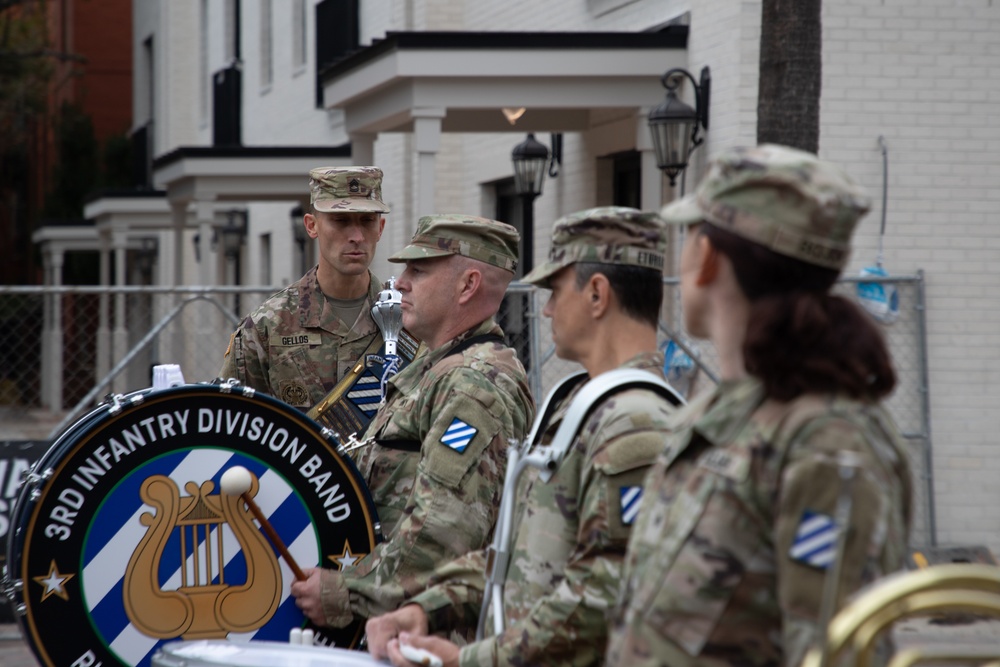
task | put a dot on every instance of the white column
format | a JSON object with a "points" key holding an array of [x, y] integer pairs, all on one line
{"points": [[119, 333], [171, 347], [363, 149], [178, 211], [103, 325], [208, 325], [207, 268], [48, 308], [427, 142], [52, 378]]}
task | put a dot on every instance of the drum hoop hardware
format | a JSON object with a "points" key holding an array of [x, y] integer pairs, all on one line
{"points": [[120, 401], [228, 385], [353, 443]]}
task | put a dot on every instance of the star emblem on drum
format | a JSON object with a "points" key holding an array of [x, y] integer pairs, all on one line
{"points": [[54, 583], [345, 558]]}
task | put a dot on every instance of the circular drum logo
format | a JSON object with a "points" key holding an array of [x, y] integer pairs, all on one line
{"points": [[131, 543]]}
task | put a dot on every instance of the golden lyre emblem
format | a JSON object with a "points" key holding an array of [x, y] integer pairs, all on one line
{"points": [[199, 608]]}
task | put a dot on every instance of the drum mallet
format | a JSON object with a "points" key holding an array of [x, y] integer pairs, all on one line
{"points": [[236, 482]]}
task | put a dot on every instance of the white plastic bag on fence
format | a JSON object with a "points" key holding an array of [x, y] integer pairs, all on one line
{"points": [[880, 299]]}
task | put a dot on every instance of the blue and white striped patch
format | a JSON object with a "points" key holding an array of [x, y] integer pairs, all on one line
{"points": [[630, 497], [815, 540], [458, 435], [366, 394]]}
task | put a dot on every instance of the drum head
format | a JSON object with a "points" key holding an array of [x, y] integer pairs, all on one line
{"points": [[129, 542], [257, 654]]}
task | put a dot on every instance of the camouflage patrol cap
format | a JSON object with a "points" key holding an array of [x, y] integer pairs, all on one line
{"points": [[357, 189], [785, 199], [606, 235], [479, 238]]}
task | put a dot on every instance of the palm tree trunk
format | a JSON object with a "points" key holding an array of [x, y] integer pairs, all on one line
{"points": [[790, 73]]}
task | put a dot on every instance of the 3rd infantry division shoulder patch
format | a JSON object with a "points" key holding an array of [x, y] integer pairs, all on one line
{"points": [[630, 497], [815, 540], [458, 435]]}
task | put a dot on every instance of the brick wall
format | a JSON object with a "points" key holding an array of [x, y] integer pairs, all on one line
{"points": [[925, 75]]}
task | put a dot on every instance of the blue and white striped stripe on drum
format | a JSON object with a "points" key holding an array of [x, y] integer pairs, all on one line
{"points": [[116, 531]]}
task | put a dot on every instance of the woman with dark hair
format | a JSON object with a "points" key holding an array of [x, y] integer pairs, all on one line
{"points": [[735, 557]]}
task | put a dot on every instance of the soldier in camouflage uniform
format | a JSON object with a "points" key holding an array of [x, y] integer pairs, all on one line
{"points": [[433, 456], [737, 532], [605, 272], [301, 341]]}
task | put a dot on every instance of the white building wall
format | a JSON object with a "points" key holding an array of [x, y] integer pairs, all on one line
{"points": [[925, 75], [283, 112], [177, 50], [173, 27]]}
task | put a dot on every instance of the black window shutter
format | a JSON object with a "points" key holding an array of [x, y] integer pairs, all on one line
{"points": [[227, 94], [336, 36]]}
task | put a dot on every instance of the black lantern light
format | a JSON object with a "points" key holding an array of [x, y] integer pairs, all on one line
{"points": [[530, 158], [674, 125], [233, 233], [531, 161], [298, 228], [299, 234]]}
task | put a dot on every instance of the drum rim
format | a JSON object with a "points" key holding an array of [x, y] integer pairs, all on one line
{"points": [[170, 649]]}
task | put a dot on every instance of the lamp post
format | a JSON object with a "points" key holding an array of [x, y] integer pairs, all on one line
{"points": [[530, 158], [231, 236], [674, 125], [299, 234]]}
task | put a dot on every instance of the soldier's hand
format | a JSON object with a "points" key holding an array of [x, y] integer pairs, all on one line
{"points": [[382, 629], [446, 651], [307, 595]]}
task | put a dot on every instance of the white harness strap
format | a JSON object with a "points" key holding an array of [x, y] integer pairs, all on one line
{"points": [[547, 459]]}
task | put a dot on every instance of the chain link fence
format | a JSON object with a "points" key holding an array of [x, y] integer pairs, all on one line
{"points": [[65, 348]]}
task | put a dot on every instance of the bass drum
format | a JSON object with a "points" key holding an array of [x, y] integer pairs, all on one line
{"points": [[122, 541], [218, 653]]}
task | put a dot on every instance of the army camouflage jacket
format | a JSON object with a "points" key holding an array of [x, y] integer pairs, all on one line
{"points": [[434, 465], [569, 541], [295, 348], [728, 557]]}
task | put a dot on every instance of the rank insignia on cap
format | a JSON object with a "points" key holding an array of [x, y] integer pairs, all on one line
{"points": [[815, 540], [458, 435], [354, 185], [630, 497]]}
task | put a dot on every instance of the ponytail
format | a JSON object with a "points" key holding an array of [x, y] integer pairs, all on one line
{"points": [[800, 338], [808, 342]]}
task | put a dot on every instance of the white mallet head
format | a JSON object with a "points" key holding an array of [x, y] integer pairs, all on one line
{"points": [[235, 481]]}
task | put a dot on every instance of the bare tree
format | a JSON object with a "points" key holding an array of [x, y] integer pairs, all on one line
{"points": [[791, 45], [24, 71]]}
